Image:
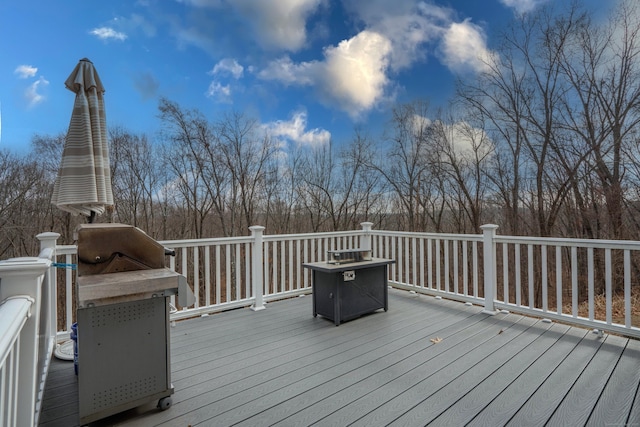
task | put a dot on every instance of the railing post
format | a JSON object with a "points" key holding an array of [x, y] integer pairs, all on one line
{"points": [[49, 240], [488, 235], [256, 267], [366, 241]]}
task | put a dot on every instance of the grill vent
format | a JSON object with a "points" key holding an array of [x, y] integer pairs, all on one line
{"points": [[123, 393], [116, 314]]}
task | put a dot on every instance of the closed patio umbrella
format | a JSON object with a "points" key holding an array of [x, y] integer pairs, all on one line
{"points": [[83, 185]]}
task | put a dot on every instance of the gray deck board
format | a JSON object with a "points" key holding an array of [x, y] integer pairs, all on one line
{"points": [[461, 411], [615, 402], [508, 401], [281, 366], [541, 406]]}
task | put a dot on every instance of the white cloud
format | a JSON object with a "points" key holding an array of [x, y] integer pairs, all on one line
{"points": [[278, 24], [287, 72], [355, 71], [106, 33], [32, 94], [522, 6], [230, 66], [217, 90], [420, 123], [352, 76], [464, 48], [465, 142], [414, 28], [25, 71], [294, 130], [407, 25]]}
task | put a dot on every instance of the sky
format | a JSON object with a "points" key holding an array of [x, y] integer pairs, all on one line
{"points": [[309, 71]]}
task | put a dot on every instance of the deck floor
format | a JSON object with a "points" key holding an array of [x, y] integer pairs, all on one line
{"points": [[425, 361]]}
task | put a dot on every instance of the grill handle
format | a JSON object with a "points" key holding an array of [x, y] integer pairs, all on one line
{"points": [[169, 251]]}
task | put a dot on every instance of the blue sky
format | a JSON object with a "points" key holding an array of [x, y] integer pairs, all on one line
{"points": [[308, 70]]}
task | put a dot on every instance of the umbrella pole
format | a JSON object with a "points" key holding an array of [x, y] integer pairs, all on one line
{"points": [[92, 217]]}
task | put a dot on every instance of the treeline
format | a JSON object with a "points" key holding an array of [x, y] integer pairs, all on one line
{"points": [[543, 141]]}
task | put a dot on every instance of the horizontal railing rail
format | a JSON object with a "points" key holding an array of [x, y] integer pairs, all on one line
{"points": [[223, 271]]}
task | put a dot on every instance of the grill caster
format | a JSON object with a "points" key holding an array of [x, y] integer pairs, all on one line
{"points": [[165, 403]]}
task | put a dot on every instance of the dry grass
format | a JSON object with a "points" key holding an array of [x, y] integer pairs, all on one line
{"points": [[617, 308]]}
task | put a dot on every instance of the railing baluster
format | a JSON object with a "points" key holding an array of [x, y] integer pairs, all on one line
{"points": [[475, 269], [218, 277], [627, 288], [544, 266], [292, 259], [607, 280], [591, 283], [530, 279], [455, 244], [184, 270], [574, 281], [430, 263], [438, 270], [247, 270], [505, 273], [207, 274], [559, 279], [393, 256], [172, 299], [465, 268], [283, 259], [238, 268], [227, 255], [517, 262], [305, 244], [406, 259], [420, 258], [196, 274], [447, 288], [400, 261]]}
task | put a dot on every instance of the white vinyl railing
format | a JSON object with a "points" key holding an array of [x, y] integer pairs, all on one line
{"points": [[572, 280], [585, 282], [443, 265], [27, 332]]}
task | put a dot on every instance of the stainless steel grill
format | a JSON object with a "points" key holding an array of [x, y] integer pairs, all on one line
{"points": [[122, 294]]}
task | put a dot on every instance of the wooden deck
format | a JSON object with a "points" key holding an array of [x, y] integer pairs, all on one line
{"points": [[425, 361]]}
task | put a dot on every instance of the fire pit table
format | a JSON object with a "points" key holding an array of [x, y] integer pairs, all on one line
{"points": [[346, 289]]}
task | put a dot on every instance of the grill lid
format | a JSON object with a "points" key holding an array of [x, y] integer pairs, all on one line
{"points": [[119, 263], [114, 248]]}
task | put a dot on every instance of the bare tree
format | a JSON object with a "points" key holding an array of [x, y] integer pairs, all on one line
{"points": [[461, 155], [136, 172], [405, 166], [184, 156], [246, 152], [521, 94], [24, 204], [602, 65]]}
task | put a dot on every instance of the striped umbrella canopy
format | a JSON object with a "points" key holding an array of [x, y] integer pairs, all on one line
{"points": [[83, 185]]}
